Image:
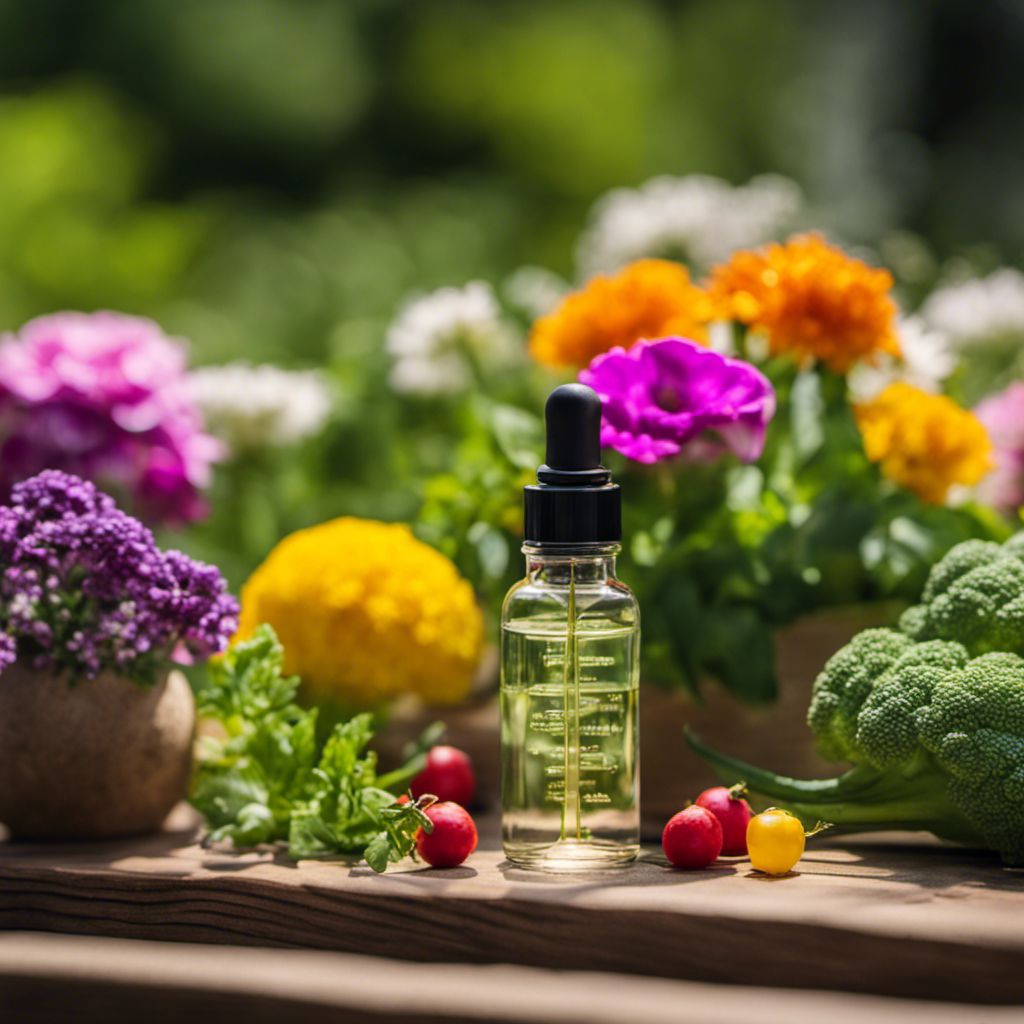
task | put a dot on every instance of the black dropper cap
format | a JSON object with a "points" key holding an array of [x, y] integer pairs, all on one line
{"points": [[574, 500]]}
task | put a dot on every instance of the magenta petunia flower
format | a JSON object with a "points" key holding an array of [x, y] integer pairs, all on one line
{"points": [[1002, 415], [674, 397], [104, 396]]}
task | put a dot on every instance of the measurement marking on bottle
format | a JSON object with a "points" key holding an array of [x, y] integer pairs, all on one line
{"points": [[599, 763], [555, 659]]}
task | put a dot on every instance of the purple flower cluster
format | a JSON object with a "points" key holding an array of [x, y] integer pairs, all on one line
{"points": [[673, 397], [84, 588], [104, 396]]}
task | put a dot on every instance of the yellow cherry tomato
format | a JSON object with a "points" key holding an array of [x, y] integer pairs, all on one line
{"points": [[775, 841]]}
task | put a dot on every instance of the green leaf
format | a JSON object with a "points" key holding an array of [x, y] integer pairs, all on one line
{"points": [[807, 409], [681, 613], [245, 683], [235, 805], [378, 852], [309, 836], [341, 752], [520, 436], [247, 787]]}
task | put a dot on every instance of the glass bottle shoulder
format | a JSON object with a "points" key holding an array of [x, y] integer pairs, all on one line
{"points": [[604, 605]]}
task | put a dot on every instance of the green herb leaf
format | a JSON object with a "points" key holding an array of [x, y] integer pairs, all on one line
{"points": [[245, 683], [266, 781], [378, 853]]}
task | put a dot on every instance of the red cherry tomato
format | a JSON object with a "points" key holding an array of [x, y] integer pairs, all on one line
{"points": [[692, 838], [448, 775], [454, 837], [733, 813]]}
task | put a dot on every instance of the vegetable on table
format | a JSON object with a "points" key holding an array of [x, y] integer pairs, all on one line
{"points": [[775, 841], [448, 775], [692, 838], [732, 811], [268, 780], [931, 715], [449, 838]]}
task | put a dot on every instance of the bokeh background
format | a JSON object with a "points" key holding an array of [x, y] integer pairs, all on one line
{"points": [[271, 178]]}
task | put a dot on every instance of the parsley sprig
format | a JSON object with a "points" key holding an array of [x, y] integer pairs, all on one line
{"points": [[265, 779]]}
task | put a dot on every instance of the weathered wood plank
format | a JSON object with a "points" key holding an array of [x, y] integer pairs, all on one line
{"points": [[46, 977], [920, 921]]}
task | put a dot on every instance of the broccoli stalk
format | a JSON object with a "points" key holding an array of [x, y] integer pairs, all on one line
{"points": [[863, 800]]}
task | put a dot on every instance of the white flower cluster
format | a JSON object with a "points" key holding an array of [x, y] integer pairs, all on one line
{"points": [[703, 218], [928, 359], [534, 290], [435, 336], [253, 407], [979, 308]]}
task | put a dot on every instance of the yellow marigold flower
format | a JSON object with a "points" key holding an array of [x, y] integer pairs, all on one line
{"points": [[810, 300], [647, 299], [365, 612], [924, 442]]}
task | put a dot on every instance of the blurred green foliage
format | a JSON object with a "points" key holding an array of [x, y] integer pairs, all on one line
{"points": [[175, 156], [75, 229], [270, 178]]}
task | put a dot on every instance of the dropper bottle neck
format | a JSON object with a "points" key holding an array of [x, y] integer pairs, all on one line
{"points": [[555, 564]]}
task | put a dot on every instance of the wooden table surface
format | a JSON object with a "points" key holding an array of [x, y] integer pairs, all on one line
{"points": [[894, 916]]}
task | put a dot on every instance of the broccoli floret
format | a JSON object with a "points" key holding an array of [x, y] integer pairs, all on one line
{"points": [[843, 686], [957, 562], [936, 738], [888, 720], [975, 596], [974, 725]]}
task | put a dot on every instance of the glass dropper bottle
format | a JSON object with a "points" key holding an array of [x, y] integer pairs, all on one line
{"points": [[570, 639]]}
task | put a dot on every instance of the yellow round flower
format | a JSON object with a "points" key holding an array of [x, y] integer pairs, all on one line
{"points": [[924, 442], [366, 612], [811, 300], [648, 299]]}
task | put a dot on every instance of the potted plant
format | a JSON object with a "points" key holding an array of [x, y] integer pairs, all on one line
{"points": [[95, 727]]}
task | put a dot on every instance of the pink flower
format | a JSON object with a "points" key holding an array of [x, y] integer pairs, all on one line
{"points": [[103, 396], [672, 396], [1003, 417]]}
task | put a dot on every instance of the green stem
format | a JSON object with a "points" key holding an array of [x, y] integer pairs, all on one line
{"points": [[732, 770], [910, 815], [397, 781], [863, 800]]}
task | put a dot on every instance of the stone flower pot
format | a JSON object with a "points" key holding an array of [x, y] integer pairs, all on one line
{"points": [[105, 757]]}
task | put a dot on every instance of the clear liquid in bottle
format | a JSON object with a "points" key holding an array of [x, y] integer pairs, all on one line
{"points": [[569, 697]]}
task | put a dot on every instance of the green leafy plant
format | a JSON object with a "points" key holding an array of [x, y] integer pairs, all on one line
{"points": [[266, 779]]}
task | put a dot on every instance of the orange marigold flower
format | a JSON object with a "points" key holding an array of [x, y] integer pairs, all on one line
{"points": [[924, 442], [647, 299], [811, 300]]}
